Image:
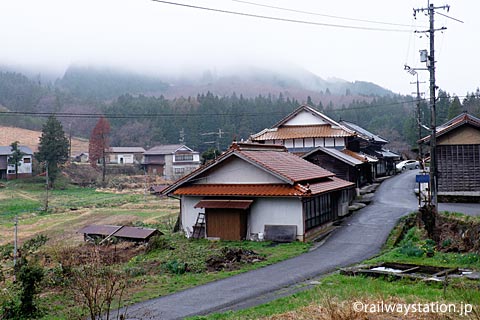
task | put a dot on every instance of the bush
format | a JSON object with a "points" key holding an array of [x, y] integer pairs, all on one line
{"points": [[176, 267]]}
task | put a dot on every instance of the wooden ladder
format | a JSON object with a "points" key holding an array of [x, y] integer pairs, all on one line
{"points": [[199, 225]]}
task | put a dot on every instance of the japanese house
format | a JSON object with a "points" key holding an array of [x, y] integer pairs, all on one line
{"points": [[305, 129], [253, 188], [171, 161], [458, 157], [7, 170], [125, 155]]}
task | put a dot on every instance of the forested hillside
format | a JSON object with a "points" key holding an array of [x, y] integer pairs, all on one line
{"points": [[140, 118]]}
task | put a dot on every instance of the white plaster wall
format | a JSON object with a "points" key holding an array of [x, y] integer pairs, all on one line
{"points": [[304, 118], [339, 142], [236, 170], [298, 143], [309, 142], [319, 142], [22, 167], [276, 211], [189, 213], [329, 142], [289, 143]]}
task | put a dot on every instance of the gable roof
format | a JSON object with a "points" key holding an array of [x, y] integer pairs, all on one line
{"points": [[126, 150], [328, 129], [364, 133], [460, 120], [310, 110], [272, 159], [166, 149], [337, 154], [7, 150]]}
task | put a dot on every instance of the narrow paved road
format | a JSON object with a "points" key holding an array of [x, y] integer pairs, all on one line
{"points": [[360, 237]]}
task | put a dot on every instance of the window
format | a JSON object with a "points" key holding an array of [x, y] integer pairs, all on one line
{"points": [[184, 157], [318, 210], [11, 171], [179, 170], [27, 160]]}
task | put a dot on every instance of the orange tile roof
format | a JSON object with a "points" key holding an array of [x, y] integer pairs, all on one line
{"points": [[299, 132], [251, 190], [332, 184], [264, 190]]}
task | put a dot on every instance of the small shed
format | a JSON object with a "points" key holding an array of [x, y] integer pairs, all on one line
{"points": [[124, 233]]}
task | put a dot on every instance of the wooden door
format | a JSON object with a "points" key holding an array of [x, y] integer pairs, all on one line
{"points": [[226, 224]]}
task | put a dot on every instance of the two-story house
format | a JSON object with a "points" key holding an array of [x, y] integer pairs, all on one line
{"points": [[7, 171], [171, 161]]}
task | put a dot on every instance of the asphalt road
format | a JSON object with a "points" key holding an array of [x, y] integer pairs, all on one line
{"points": [[360, 237]]}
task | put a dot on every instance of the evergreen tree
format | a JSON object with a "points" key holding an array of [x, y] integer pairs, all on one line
{"points": [[15, 157], [53, 147], [455, 108]]}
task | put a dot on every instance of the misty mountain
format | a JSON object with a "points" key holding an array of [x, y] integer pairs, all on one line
{"points": [[105, 83]]}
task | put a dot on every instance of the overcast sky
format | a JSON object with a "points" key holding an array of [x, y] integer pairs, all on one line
{"points": [[150, 36]]}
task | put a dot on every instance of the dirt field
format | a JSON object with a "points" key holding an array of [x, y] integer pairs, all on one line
{"points": [[31, 138]]}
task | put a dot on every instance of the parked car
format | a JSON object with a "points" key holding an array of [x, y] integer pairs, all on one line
{"points": [[408, 164]]}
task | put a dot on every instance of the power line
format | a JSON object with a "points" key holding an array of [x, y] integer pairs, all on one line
{"points": [[279, 19], [179, 115], [321, 14]]}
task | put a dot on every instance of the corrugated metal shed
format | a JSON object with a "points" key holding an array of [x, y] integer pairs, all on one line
{"points": [[124, 232]]}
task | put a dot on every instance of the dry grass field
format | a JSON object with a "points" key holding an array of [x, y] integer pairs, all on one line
{"points": [[31, 139]]}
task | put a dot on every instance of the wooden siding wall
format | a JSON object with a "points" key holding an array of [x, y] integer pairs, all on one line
{"points": [[340, 168], [458, 168]]}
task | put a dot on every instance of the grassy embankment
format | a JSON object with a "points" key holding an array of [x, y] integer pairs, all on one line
{"points": [[335, 295]]}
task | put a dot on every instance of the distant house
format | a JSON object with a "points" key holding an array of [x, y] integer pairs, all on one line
{"points": [[125, 155], [346, 164], [7, 171], [172, 161], [458, 157], [373, 145], [305, 129], [252, 189]]}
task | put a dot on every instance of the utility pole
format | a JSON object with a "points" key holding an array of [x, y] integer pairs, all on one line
{"points": [[15, 242], [433, 115], [46, 185], [419, 116]]}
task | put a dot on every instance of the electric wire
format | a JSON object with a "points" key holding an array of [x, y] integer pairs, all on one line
{"points": [[278, 18], [321, 14]]}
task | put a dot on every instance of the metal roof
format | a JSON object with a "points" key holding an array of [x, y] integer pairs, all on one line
{"points": [[126, 150], [337, 154], [461, 119], [167, 149], [119, 231], [363, 132], [224, 204], [7, 150]]}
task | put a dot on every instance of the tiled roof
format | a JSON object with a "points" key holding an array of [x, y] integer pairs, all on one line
{"points": [[264, 190], [298, 132], [248, 190], [456, 122], [273, 159], [287, 165], [333, 183]]}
